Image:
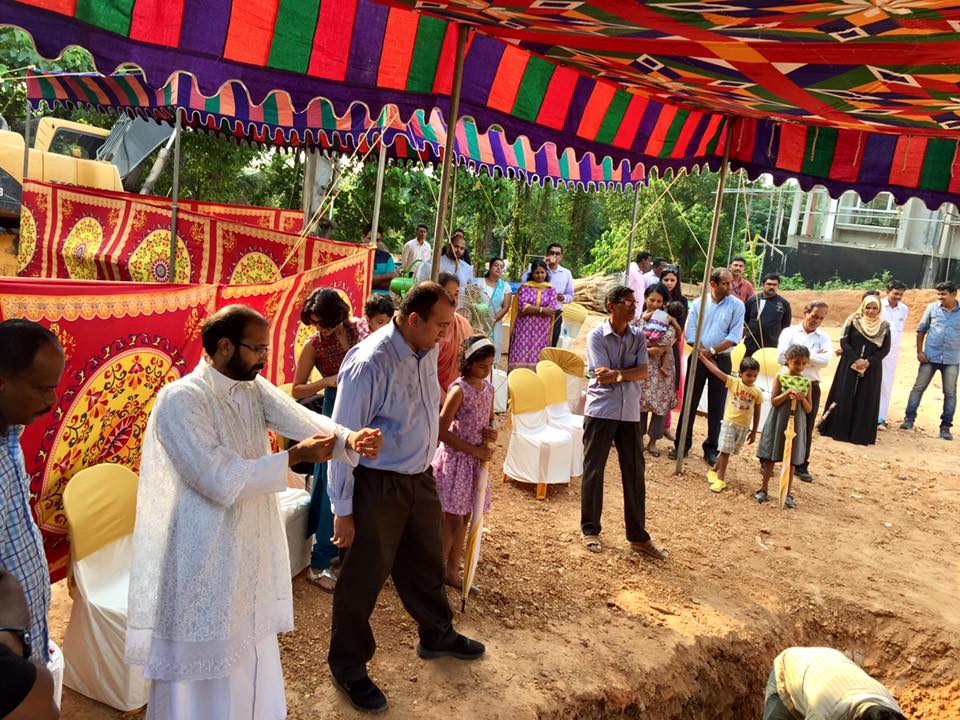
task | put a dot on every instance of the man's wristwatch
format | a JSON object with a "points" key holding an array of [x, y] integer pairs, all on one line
{"points": [[25, 639], [619, 376]]}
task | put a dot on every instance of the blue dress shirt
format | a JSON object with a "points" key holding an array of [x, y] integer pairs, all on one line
{"points": [[384, 384], [615, 401], [942, 326], [723, 321]]}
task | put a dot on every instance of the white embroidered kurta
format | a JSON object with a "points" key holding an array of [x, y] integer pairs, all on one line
{"points": [[897, 317], [210, 572]]}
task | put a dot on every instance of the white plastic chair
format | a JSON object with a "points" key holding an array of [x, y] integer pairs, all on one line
{"points": [[558, 411], [537, 453], [100, 504], [500, 394]]}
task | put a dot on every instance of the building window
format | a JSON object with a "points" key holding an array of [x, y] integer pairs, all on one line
{"points": [[880, 215]]}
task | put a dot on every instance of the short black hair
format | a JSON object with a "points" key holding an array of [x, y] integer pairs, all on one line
{"points": [[896, 285], [421, 225], [738, 258], [421, 298], [797, 351], [445, 277], [229, 322], [378, 304], [618, 294], [660, 289], [551, 246], [327, 305], [641, 256], [457, 231], [749, 363], [770, 276], [717, 273], [878, 712], [657, 262], [21, 340], [538, 263], [947, 286], [480, 354], [813, 305], [868, 293], [490, 263], [676, 309]]}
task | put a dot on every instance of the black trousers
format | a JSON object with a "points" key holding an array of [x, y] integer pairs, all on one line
{"points": [[716, 399], [557, 326], [812, 419], [397, 520], [598, 435]]}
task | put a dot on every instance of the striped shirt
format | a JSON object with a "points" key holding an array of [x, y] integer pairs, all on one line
{"points": [[21, 546], [818, 683]]}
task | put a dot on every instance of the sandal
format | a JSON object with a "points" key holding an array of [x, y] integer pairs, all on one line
{"points": [[649, 548], [592, 543], [323, 579], [653, 452], [789, 502], [760, 496]]}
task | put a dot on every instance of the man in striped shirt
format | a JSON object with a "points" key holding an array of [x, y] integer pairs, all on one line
{"points": [[30, 368], [818, 683]]}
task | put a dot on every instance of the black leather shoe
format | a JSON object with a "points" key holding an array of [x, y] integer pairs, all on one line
{"points": [[363, 694], [804, 474], [463, 648]]}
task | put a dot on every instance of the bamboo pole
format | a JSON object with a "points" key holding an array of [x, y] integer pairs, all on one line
{"points": [[378, 196], [633, 230], [174, 198]]}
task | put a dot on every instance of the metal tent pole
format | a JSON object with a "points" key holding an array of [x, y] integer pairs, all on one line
{"points": [[707, 269], [174, 197], [378, 197], [633, 230], [26, 145], [452, 119]]}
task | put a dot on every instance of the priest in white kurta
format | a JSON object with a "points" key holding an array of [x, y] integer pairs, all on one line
{"points": [[209, 581], [895, 312]]}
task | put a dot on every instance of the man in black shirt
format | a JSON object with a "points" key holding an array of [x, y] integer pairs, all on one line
{"points": [[766, 315]]}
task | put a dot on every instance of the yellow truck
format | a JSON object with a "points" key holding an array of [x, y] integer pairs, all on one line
{"points": [[63, 152]]}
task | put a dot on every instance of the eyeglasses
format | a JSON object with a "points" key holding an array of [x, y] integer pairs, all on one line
{"points": [[625, 302], [258, 349]]}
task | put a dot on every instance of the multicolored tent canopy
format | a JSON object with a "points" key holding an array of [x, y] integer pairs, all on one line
{"points": [[652, 84]]}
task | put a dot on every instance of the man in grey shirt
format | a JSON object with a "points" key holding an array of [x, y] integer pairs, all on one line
{"points": [[617, 360]]}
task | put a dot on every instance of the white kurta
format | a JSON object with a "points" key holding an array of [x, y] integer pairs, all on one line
{"points": [[897, 318], [209, 580]]}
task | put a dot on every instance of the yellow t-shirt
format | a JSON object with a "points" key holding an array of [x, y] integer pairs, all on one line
{"points": [[740, 401]]}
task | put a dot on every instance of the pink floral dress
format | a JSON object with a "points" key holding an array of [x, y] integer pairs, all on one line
{"points": [[456, 472], [531, 333]]}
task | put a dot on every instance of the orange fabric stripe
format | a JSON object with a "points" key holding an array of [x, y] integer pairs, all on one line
{"points": [[397, 53], [251, 31], [596, 110], [503, 92]]}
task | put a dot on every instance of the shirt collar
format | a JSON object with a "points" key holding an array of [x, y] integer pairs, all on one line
{"points": [[608, 328], [223, 384], [400, 345]]}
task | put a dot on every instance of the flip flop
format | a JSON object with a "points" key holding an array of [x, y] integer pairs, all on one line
{"points": [[323, 579], [592, 543], [760, 496], [653, 452]]}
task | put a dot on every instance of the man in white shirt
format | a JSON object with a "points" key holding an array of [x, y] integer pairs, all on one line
{"points": [[451, 261], [210, 577], [652, 277], [808, 334], [562, 281], [895, 312], [416, 250], [635, 278]]}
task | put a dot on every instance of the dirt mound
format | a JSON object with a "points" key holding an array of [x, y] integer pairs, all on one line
{"points": [[843, 302]]}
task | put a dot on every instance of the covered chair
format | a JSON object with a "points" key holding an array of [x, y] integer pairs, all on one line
{"points": [[769, 368], [558, 411], [537, 453], [574, 316], [573, 367], [100, 503]]}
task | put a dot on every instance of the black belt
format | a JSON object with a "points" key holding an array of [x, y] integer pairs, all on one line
{"points": [[394, 473]]}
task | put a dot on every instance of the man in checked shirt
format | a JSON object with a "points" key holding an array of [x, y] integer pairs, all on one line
{"points": [[31, 364]]}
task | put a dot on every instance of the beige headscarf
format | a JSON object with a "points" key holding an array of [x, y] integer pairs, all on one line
{"points": [[873, 329]]}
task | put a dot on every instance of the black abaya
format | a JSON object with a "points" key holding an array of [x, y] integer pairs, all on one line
{"points": [[854, 418]]}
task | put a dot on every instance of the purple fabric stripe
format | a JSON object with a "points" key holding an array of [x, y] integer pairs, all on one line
{"points": [[650, 116], [204, 26], [496, 147], [877, 159], [540, 162], [369, 27], [765, 129], [698, 134], [480, 68], [578, 103]]}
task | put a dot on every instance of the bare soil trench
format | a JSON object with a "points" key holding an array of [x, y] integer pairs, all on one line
{"points": [[869, 563]]}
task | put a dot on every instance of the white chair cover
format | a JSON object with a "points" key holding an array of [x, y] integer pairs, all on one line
{"points": [[94, 642], [559, 416], [501, 392], [295, 508], [55, 666], [538, 453]]}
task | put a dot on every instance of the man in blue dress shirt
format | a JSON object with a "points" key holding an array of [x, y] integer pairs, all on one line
{"points": [[617, 359], [386, 510], [722, 331]]}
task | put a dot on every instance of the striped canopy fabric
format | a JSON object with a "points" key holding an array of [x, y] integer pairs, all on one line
{"points": [[624, 85]]}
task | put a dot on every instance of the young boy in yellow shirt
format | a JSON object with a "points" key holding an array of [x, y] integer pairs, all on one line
{"points": [[743, 401]]}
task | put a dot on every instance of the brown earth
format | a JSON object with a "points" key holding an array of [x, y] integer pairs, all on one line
{"points": [[868, 563]]}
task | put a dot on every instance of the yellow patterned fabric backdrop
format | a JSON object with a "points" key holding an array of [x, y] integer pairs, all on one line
{"points": [[86, 234], [124, 341]]}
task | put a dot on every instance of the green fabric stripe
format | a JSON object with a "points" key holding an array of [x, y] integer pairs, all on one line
{"points": [[613, 118], [473, 147], [212, 104], [826, 144], [112, 15], [711, 148], [168, 93], [46, 89], [607, 166], [293, 35], [521, 158], [935, 173], [426, 54], [533, 87], [673, 132], [128, 91], [428, 132], [270, 114], [564, 167], [327, 116], [91, 95]]}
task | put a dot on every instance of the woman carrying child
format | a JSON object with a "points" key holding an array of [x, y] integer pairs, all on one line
{"points": [[658, 391], [790, 397], [466, 429]]}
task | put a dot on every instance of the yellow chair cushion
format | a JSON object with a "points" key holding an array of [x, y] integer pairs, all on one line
{"points": [[736, 356], [554, 381], [101, 506], [569, 362], [574, 312], [767, 357], [527, 392]]}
